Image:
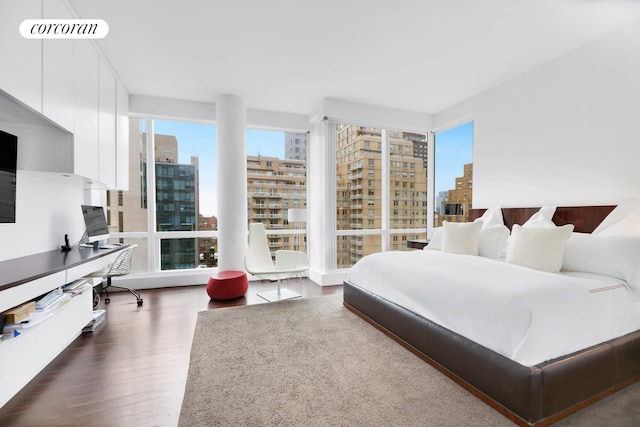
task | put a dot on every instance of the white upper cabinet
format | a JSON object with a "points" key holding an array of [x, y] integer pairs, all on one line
{"points": [[86, 139], [21, 63], [107, 126], [63, 99], [57, 70], [122, 137]]}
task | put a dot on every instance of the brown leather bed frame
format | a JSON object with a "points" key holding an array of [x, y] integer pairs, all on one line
{"points": [[528, 395]]}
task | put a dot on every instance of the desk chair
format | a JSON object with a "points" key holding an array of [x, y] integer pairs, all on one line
{"points": [[120, 267], [257, 261]]}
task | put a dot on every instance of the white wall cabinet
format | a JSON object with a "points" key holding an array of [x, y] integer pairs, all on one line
{"points": [[21, 69], [122, 137], [107, 126], [69, 88], [57, 71], [86, 156]]}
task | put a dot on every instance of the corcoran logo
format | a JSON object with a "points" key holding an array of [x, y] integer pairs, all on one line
{"points": [[64, 29]]}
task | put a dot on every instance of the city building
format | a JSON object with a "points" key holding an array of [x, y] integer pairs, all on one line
{"points": [[440, 198], [207, 246], [359, 189], [177, 207], [273, 187], [419, 146], [455, 207], [295, 146]]}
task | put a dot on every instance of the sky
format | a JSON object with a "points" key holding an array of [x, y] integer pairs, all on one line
{"points": [[200, 140], [453, 148]]}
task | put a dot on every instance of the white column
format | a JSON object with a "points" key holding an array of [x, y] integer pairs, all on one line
{"points": [[321, 186], [231, 118]]}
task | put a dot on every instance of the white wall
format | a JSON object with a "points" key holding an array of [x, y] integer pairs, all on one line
{"points": [[47, 200], [564, 133], [47, 208]]}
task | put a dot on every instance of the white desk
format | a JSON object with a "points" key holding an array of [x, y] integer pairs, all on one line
{"points": [[26, 278]]}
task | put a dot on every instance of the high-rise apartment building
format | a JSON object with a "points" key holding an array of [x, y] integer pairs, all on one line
{"points": [[176, 209], [273, 187], [359, 189], [440, 198], [419, 146], [458, 200], [207, 246], [177, 204], [295, 146]]}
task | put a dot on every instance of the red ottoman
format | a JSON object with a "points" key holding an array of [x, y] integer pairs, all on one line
{"points": [[227, 285]]}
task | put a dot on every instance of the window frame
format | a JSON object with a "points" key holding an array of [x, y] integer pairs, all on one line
{"points": [[152, 235]]}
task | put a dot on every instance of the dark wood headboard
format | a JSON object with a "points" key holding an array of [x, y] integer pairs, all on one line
{"points": [[585, 218]]}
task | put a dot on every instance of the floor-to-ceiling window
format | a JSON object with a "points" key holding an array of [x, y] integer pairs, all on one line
{"points": [[175, 229], [127, 210], [453, 174], [358, 192], [407, 188], [381, 190], [277, 186]]}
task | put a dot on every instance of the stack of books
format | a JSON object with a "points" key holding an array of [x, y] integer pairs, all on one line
{"points": [[76, 287], [99, 318], [31, 313]]}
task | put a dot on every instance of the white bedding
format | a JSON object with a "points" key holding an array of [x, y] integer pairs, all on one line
{"points": [[527, 315]]}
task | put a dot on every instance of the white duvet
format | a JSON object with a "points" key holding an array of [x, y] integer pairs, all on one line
{"points": [[527, 315]]}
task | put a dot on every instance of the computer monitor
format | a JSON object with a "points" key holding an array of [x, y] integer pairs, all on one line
{"points": [[96, 223]]}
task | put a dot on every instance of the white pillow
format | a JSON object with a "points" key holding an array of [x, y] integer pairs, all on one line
{"points": [[493, 240], [625, 207], [541, 248], [615, 256], [542, 218], [435, 243], [492, 216], [461, 237], [627, 226]]}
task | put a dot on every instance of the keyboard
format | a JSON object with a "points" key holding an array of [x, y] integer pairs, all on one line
{"points": [[110, 246]]}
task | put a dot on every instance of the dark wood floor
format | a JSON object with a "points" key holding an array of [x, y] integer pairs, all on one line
{"points": [[132, 371]]}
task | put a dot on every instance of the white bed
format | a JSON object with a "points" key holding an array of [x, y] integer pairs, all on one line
{"points": [[539, 330], [527, 315]]}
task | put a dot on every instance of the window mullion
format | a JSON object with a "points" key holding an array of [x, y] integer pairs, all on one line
{"points": [[385, 179], [154, 237], [431, 201]]}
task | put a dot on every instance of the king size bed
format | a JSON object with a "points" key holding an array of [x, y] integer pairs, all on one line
{"points": [[536, 344]]}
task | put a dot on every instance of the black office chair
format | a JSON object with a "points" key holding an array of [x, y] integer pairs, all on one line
{"points": [[120, 267]]}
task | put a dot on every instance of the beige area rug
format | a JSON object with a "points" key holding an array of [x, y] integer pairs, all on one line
{"points": [[311, 362]]}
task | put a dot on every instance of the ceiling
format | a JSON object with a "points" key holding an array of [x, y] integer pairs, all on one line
{"points": [[288, 55]]}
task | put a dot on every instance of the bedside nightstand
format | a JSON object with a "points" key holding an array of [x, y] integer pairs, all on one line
{"points": [[417, 244]]}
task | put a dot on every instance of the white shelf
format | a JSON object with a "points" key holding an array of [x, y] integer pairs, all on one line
{"points": [[23, 357]]}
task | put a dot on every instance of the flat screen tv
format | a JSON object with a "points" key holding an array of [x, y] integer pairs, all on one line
{"points": [[96, 224], [8, 163]]}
